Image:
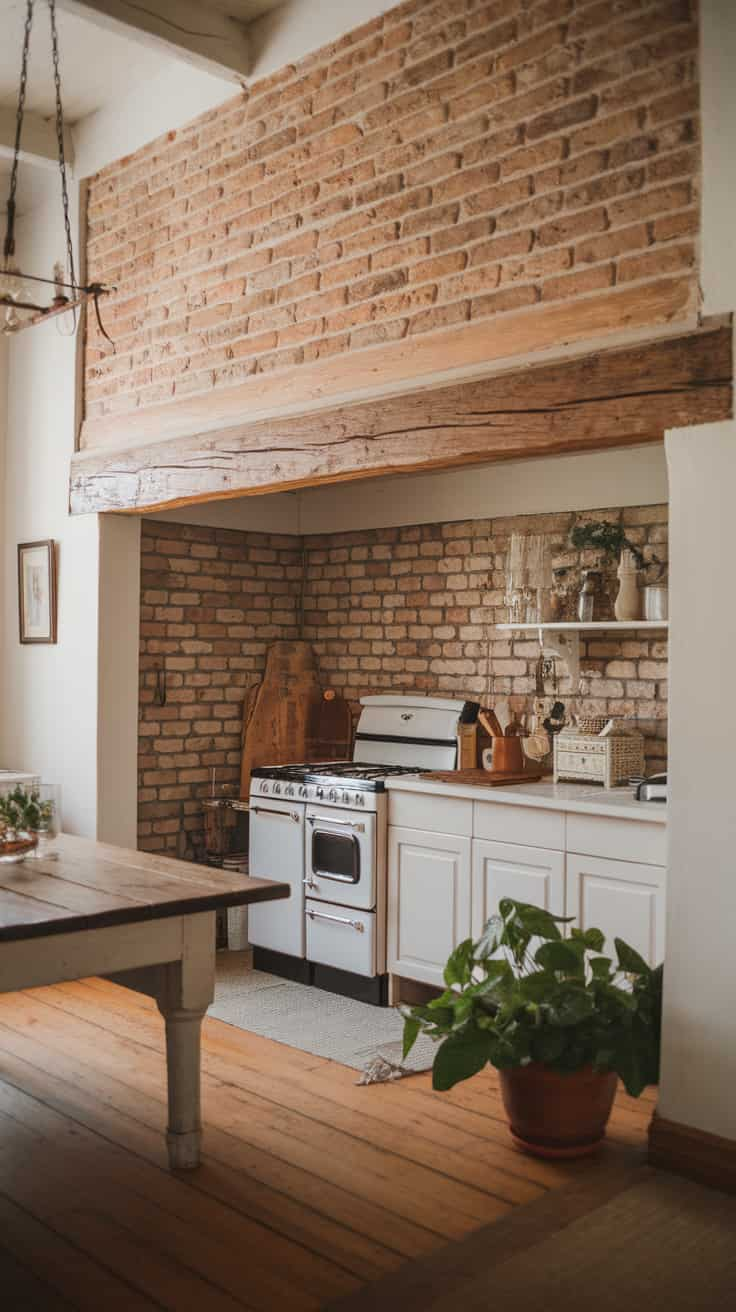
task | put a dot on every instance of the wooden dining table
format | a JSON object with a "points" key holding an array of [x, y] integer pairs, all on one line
{"points": [[147, 921]]}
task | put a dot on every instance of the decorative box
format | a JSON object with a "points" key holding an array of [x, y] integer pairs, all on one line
{"points": [[588, 758]]}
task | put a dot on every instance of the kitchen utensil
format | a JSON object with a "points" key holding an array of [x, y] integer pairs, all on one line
{"points": [[485, 778], [285, 712], [516, 726], [502, 711], [488, 719], [537, 745], [333, 730], [655, 601], [586, 600]]}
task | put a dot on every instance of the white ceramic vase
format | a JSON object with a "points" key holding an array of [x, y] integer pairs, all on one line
{"points": [[628, 601]]}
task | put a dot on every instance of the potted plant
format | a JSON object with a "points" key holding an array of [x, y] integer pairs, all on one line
{"points": [[559, 1021], [23, 814]]}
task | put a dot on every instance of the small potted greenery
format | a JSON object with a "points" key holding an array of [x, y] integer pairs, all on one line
{"points": [[23, 815], [559, 1021]]}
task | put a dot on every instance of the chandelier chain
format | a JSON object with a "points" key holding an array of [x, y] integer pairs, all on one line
{"points": [[60, 141], [9, 248]]}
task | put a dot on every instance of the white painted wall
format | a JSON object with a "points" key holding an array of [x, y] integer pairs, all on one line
{"points": [[48, 720], [49, 717], [119, 602], [516, 487], [699, 1036]]}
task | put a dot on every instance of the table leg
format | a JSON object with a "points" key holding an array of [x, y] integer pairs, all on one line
{"points": [[185, 991]]}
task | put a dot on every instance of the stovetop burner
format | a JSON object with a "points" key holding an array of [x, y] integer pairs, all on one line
{"points": [[366, 776]]}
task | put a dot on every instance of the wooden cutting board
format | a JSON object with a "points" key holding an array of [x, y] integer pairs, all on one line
{"points": [[284, 711], [333, 738], [483, 778]]}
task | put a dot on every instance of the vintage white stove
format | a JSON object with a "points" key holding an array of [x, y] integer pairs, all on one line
{"points": [[323, 828]]}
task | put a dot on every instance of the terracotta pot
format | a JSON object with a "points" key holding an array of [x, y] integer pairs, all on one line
{"points": [[554, 1114]]}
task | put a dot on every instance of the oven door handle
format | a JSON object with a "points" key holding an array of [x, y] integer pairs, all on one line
{"points": [[268, 810], [349, 824], [339, 920]]}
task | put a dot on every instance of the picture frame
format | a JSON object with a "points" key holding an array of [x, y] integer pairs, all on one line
{"points": [[37, 591]]}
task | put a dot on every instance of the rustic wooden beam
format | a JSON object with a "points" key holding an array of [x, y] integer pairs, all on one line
{"points": [[416, 361], [609, 398]]}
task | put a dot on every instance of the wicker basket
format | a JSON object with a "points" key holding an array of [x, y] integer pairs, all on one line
{"points": [[587, 758], [591, 723]]}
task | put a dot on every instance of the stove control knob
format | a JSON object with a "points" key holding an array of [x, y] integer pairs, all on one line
{"points": [[359, 799], [302, 790], [264, 785], [319, 792], [332, 795], [346, 797], [289, 790], [277, 788]]}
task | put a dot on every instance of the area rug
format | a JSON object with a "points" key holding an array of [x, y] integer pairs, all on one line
{"points": [[660, 1244], [325, 1024]]}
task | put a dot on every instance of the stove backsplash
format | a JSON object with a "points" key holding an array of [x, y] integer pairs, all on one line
{"points": [[399, 609]]}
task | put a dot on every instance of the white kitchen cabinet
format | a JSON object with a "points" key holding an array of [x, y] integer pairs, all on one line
{"points": [[622, 898], [527, 874], [428, 901]]}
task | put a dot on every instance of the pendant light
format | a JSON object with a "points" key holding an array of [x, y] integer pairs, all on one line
{"points": [[23, 299]]}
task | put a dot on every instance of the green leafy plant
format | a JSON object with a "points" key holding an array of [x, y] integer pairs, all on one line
{"points": [[524, 993], [604, 536], [23, 810]]}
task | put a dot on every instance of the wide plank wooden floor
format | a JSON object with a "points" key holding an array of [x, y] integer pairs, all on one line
{"points": [[310, 1186]]}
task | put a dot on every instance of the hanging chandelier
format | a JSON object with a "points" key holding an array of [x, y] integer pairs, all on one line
{"points": [[23, 298]]}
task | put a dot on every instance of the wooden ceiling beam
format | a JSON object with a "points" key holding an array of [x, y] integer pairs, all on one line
{"points": [[195, 30], [608, 398]]}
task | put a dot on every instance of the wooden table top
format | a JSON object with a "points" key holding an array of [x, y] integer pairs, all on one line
{"points": [[94, 884]]}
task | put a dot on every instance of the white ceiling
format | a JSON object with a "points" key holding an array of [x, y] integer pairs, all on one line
{"points": [[96, 65]]}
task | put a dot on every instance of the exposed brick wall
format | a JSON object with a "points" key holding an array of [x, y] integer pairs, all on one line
{"points": [[211, 602], [444, 163], [414, 609], [400, 609]]}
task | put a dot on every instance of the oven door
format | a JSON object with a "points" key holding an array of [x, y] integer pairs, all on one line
{"points": [[340, 857]]}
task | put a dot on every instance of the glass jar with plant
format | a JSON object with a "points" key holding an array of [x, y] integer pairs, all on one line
{"points": [[612, 544], [23, 814], [557, 1018]]}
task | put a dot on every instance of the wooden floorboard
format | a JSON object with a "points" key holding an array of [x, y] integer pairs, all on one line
{"points": [[310, 1188]]}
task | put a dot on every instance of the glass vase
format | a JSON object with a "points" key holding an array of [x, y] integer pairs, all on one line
{"points": [[49, 796]]}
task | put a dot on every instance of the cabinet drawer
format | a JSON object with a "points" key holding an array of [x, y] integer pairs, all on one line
{"points": [[341, 937], [622, 840], [529, 825], [429, 811]]}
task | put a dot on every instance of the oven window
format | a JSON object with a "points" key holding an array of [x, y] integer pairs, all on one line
{"points": [[336, 856]]}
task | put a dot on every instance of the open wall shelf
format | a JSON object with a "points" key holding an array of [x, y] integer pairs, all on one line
{"points": [[563, 639], [594, 626]]}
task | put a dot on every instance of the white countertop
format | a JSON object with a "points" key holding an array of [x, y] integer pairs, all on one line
{"points": [[585, 799]]}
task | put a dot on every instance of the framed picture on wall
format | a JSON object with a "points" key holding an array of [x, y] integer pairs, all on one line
{"points": [[37, 591]]}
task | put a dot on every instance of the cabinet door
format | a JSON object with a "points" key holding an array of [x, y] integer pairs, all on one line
{"points": [[621, 898], [528, 874], [428, 901]]}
